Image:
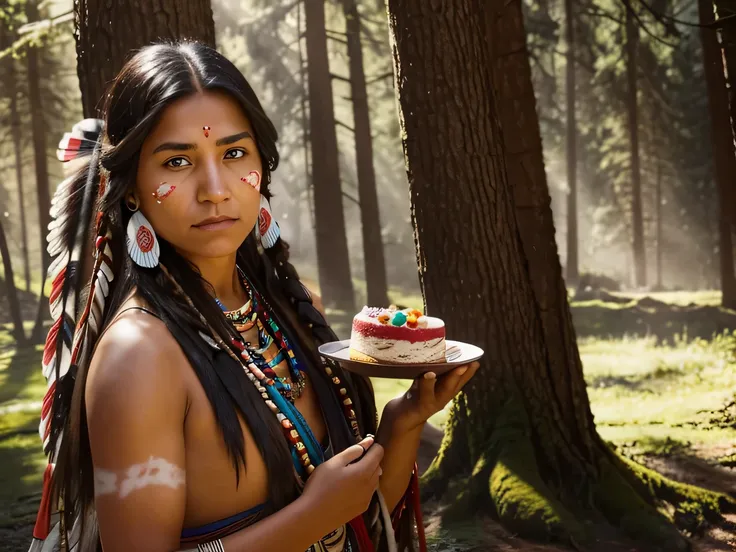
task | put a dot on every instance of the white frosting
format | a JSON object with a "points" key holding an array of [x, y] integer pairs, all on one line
{"points": [[399, 351]]}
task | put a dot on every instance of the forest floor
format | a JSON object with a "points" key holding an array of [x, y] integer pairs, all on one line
{"points": [[666, 403]]}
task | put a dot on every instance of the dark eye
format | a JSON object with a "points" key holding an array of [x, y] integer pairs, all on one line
{"points": [[235, 153], [177, 162]]}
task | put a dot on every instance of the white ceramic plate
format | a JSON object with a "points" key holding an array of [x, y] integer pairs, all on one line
{"points": [[458, 353]]}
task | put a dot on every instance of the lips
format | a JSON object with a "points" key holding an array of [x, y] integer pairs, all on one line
{"points": [[215, 223]]}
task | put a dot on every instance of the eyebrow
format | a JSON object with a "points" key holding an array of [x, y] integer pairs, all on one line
{"points": [[175, 146], [232, 139]]}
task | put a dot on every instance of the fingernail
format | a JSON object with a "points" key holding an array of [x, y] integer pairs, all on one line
{"points": [[430, 375], [369, 436], [461, 371]]}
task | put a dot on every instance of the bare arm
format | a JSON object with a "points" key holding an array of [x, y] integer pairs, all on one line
{"points": [[400, 454], [136, 402], [402, 423]]}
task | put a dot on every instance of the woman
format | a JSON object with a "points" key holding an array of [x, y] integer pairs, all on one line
{"points": [[195, 410]]}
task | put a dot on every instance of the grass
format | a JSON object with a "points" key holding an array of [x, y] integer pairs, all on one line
{"points": [[644, 395], [681, 298], [21, 389]]}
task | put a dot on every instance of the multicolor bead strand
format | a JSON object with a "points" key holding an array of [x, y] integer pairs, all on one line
{"points": [[341, 391], [298, 378], [260, 383], [345, 400]]}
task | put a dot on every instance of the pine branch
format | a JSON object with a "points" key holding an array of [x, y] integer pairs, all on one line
{"points": [[341, 124]]}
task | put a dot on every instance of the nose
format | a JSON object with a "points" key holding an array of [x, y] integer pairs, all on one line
{"points": [[213, 187]]}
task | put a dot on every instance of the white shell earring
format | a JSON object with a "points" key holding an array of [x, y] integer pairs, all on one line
{"points": [[141, 240], [267, 230]]}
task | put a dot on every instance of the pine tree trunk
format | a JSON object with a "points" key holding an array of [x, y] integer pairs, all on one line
{"points": [[11, 293], [727, 8], [522, 431], [660, 234], [572, 163], [43, 195], [373, 252], [107, 33], [516, 105], [724, 156], [18, 147], [637, 217], [335, 282]]}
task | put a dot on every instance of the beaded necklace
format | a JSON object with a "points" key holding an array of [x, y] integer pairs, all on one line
{"points": [[305, 451], [257, 312]]}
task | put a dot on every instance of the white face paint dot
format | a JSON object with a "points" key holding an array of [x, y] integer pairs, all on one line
{"points": [[163, 191]]}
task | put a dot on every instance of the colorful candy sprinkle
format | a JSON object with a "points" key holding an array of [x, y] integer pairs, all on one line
{"points": [[411, 321], [383, 318], [399, 319]]}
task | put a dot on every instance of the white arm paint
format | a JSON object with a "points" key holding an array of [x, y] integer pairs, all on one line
{"points": [[156, 471]]}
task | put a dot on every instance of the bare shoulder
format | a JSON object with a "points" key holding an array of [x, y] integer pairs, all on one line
{"points": [[137, 362]]}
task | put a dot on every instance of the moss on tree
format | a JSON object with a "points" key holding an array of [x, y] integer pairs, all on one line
{"points": [[506, 482]]}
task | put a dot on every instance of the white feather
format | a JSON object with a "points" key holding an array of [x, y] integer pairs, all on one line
{"points": [[66, 357], [108, 272], [102, 283], [57, 265], [99, 298]]}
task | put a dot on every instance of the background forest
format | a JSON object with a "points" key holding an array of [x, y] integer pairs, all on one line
{"points": [[635, 112]]}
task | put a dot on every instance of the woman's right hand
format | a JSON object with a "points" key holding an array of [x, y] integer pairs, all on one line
{"points": [[342, 488]]}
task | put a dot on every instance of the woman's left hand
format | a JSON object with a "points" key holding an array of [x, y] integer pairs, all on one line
{"points": [[428, 395]]}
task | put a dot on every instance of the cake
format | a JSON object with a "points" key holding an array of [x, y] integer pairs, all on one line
{"points": [[394, 336]]}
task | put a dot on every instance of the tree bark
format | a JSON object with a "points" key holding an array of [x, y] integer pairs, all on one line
{"points": [[373, 253], [522, 430], [11, 293], [43, 197], [724, 156], [107, 33], [637, 217], [726, 8], [572, 163], [660, 234], [335, 281], [524, 161]]}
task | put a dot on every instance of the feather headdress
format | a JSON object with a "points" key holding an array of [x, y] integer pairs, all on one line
{"points": [[71, 213], [80, 141]]}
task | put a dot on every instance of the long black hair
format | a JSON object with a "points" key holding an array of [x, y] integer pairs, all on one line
{"points": [[155, 77]]}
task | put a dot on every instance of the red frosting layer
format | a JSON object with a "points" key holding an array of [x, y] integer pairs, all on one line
{"points": [[388, 331]]}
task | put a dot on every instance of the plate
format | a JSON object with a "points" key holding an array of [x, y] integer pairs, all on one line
{"points": [[458, 353]]}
